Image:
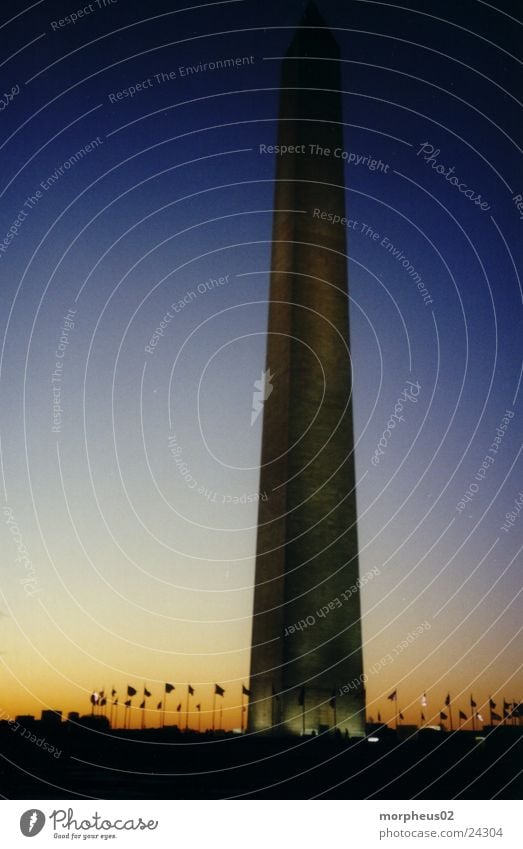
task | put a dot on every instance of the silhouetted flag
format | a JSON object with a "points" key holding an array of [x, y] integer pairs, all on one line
{"points": [[179, 707], [190, 690], [401, 715], [131, 691], [94, 698], [128, 703], [301, 697], [492, 705], [102, 693], [103, 702], [447, 700], [472, 703], [159, 706], [219, 691], [393, 696], [113, 693], [169, 688], [146, 693], [245, 691], [462, 715], [142, 706], [496, 716], [198, 707], [442, 715], [115, 702], [423, 717]]}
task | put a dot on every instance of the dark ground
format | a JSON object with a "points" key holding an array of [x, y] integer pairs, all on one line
{"points": [[167, 764]]}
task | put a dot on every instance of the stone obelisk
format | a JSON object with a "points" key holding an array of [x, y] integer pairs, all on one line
{"points": [[306, 657]]}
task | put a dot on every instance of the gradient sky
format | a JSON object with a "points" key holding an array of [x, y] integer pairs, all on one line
{"points": [[139, 577]]}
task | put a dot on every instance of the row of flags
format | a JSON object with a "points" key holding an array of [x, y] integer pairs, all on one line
{"points": [[99, 700], [511, 710]]}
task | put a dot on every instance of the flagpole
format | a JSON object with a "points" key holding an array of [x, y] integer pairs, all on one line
{"points": [[303, 713], [490, 708], [162, 718], [187, 710], [473, 713], [450, 715], [241, 721], [396, 707], [214, 711], [221, 717]]}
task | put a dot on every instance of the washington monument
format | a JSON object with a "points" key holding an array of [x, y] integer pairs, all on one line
{"points": [[306, 644]]}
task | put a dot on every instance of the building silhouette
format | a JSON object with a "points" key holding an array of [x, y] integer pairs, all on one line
{"points": [[306, 642]]}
